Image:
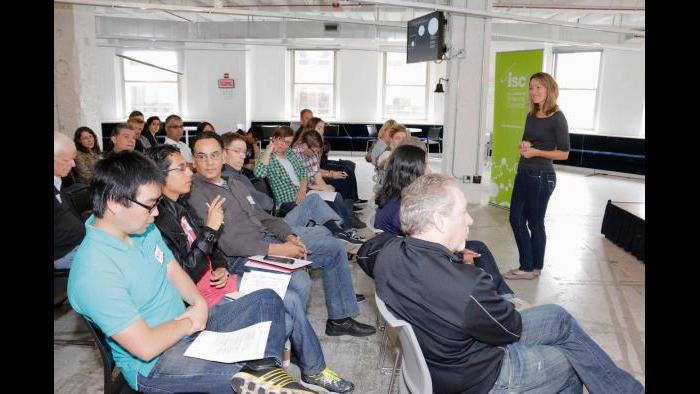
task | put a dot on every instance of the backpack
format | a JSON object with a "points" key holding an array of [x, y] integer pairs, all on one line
{"points": [[368, 252]]}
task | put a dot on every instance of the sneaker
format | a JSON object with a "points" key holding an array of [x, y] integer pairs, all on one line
{"points": [[360, 298], [348, 326], [357, 209], [517, 274], [360, 201], [356, 222], [349, 237], [329, 381], [273, 380]]}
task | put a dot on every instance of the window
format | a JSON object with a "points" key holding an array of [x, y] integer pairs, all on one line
{"points": [[405, 88], [149, 89], [577, 76], [313, 83]]}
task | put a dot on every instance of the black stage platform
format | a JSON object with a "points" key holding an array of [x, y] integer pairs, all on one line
{"points": [[623, 224]]}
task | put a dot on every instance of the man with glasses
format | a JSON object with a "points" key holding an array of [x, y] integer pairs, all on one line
{"points": [[251, 231], [126, 281], [173, 131]]}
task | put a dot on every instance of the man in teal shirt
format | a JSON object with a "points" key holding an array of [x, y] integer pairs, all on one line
{"points": [[126, 281]]}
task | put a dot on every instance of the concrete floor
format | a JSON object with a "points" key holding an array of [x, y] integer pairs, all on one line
{"points": [[598, 282]]}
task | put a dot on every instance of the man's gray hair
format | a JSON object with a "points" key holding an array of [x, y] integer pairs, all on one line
{"points": [[61, 142], [427, 195]]}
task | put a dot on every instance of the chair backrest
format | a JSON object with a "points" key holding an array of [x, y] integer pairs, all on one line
{"points": [[434, 133], [119, 384], [372, 131], [389, 317], [79, 196], [414, 371]]}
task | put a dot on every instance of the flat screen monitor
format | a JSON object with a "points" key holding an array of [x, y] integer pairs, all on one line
{"points": [[425, 38]]}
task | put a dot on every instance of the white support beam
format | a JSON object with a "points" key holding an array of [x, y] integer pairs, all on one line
{"points": [[227, 11], [501, 15]]}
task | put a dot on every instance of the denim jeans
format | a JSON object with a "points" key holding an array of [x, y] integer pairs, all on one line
{"points": [[316, 208], [176, 373], [488, 264], [528, 205], [329, 253], [554, 355]]}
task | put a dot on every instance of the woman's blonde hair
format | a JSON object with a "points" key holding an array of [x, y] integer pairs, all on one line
{"points": [[385, 128], [550, 103]]}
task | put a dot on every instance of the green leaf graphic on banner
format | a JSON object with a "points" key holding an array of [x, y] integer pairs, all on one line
{"points": [[513, 71]]}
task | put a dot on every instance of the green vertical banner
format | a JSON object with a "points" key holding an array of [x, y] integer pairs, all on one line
{"points": [[513, 71]]}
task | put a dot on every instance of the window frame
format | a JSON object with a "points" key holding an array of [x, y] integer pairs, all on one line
{"points": [[178, 83], [385, 115], [596, 106], [334, 85]]}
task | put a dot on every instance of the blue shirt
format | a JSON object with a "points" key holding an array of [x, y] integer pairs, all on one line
{"points": [[114, 284], [387, 217]]}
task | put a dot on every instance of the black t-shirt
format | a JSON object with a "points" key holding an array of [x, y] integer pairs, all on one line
{"points": [[545, 134]]}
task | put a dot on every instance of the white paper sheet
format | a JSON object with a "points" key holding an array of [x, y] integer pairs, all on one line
{"points": [[256, 280], [328, 196], [231, 347]]}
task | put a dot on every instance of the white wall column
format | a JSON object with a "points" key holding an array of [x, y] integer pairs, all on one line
{"points": [[75, 76], [466, 97]]}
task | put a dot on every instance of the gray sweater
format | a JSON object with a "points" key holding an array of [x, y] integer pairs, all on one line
{"points": [[265, 201], [545, 134], [245, 223]]}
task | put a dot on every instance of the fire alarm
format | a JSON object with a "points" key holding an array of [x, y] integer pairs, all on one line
{"points": [[335, 4], [225, 75]]}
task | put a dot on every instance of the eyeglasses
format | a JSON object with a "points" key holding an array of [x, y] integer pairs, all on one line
{"points": [[285, 142], [180, 168], [203, 156], [146, 207], [175, 126]]}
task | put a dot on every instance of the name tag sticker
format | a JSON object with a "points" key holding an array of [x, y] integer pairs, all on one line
{"points": [[159, 255], [250, 200]]}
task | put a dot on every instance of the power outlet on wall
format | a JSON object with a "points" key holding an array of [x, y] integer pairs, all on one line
{"points": [[477, 179]]}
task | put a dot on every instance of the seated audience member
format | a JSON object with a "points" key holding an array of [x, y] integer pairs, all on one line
{"points": [[193, 246], [473, 340], [125, 280], [287, 176], [173, 132], [304, 117], [204, 126], [136, 122], [68, 229], [406, 164], [396, 134], [340, 173], [249, 231], [123, 138], [148, 137], [88, 153], [383, 140], [252, 152], [312, 208]]}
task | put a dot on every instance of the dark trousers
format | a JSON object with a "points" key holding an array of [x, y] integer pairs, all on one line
{"points": [[346, 187], [488, 264], [528, 205]]}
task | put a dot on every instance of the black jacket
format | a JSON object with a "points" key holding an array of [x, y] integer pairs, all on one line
{"points": [[460, 322], [68, 229], [193, 260]]}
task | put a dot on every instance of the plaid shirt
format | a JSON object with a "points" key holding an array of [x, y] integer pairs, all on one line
{"points": [[282, 187], [311, 164]]}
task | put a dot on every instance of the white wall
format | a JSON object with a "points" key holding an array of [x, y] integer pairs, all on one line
{"points": [[268, 83], [223, 108], [358, 75], [621, 95], [109, 86]]}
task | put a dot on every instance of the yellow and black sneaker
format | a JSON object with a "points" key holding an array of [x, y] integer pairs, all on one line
{"points": [[328, 381], [274, 380]]}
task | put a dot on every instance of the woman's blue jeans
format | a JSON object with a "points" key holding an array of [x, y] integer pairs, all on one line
{"points": [[528, 205]]}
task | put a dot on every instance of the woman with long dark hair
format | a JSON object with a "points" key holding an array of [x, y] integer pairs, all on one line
{"points": [[88, 153], [406, 164], [546, 138], [150, 130]]}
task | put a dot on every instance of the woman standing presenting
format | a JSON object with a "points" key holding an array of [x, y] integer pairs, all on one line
{"points": [[546, 138]]}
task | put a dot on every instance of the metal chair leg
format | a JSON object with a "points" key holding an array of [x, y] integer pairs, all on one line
{"points": [[394, 370]]}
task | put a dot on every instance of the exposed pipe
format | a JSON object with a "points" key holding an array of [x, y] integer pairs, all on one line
{"points": [[502, 15], [241, 12], [149, 64], [572, 8], [340, 5]]}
